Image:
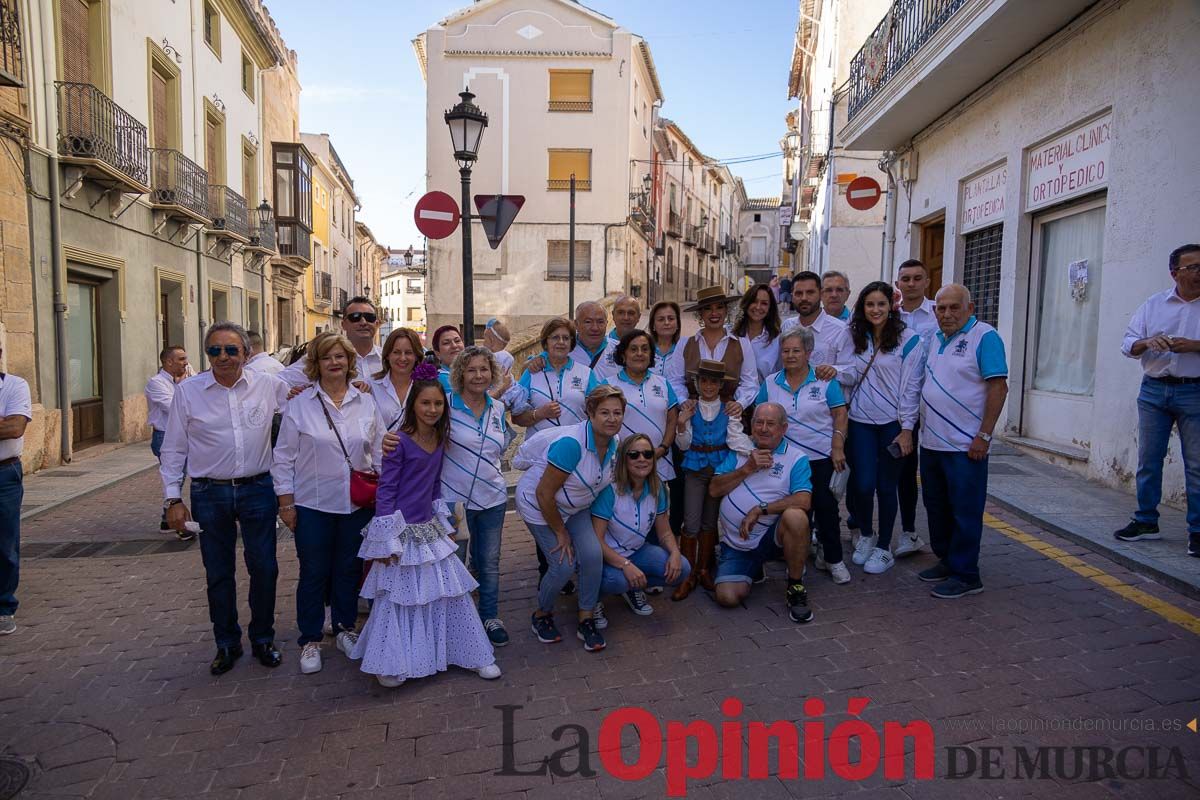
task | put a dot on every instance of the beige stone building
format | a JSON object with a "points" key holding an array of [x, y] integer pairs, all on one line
{"points": [[370, 260], [567, 91]]}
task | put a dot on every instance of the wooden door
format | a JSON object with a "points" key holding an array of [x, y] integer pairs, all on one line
{"points": [[164, 304], [87, 400], [933, 241]]}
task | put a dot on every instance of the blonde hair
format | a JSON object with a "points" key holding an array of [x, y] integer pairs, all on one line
{"points": [[601, 393], [621, 481], [320, 346], [459, 367]]}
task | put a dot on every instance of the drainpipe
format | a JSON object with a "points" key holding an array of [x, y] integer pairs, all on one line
{"points": [[57, 268], [889, 218], [197, 148]]}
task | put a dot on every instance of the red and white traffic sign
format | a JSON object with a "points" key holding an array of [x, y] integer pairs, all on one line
{"points": [[436, 215], [863, 193]]}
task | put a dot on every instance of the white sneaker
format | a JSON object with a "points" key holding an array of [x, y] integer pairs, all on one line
{"points": [[839, 573], [346, 641], [654, 590], [490, 672], [909, 544], [863, 548], [310, 658], [389, 681], [878, 562], [327, 628], [598, 616]]}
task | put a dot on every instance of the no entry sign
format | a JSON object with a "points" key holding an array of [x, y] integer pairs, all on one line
{"points": [[863, 193], [436, 215]]}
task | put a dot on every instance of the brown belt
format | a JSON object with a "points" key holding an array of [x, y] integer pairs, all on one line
{"points": [[13, 460], [708, 448]]}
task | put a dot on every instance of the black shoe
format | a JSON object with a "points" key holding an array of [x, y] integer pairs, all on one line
{"points": [[568, 588], [1194, 544], [935, 574], [1138, 532], [496, 633], [163, 527], [590, 635], [797, 601], [545, 630], [267, 654], [225, 659], [953, 588], [185, 535]]}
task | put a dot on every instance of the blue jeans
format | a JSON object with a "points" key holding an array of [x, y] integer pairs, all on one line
{"points": [[651, 560], [741, 566], [12, 492], [1161, 406], [874, 472], [485, 525], [955, 491], [156, 442], [588, 558], [220, 511], [327, 547]]}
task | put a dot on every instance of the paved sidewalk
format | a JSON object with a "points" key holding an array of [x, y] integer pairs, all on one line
{"points": [[1087, 514], [49, 488]]}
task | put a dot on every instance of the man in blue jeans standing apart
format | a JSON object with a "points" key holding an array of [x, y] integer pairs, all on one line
{"points": [[1165, 335], [220, 427], [160, 391], [966, 383], [15, 413]]}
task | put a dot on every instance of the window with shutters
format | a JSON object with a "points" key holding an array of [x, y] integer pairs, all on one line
{"points": [[565, 163], [249, 174], [981, 271], [670, 265], [248, 76], [212, 28], [557, 265], [165, 118], [214, 144], [83, 43], [570, 90]]}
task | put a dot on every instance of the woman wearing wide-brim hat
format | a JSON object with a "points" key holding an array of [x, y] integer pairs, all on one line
{"points": [[714, 342]]}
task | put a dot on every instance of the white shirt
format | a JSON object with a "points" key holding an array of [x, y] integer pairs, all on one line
{"points": [[890, 389], [471, 467], [921, 319], [160, 391], [630, 519], [391, 407], [504, 360], [309, 463], [766, 354], [265, 362], [646, 409], [569, 387], [954, 393], [747, 381], [573, 450], [581, 355], [788, 474], [220, 432], [810, 421], [831, 339], [1167, 313], [14, 401], [366, 365], [735, 438]]}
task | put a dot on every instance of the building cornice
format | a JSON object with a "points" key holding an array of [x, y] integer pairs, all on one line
{"points": [[528, 53]]}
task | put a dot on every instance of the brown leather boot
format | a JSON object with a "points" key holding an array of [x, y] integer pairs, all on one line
{"points": [[687, 547], [706, 558]]}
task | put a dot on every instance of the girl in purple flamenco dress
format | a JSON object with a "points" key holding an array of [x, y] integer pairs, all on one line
{"points": [[422, 616]]}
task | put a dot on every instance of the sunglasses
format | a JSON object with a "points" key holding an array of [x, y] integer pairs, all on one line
{"points": [[636, 454], [359, 316], [214, 351]]}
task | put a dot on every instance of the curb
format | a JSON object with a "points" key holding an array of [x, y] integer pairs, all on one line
{"points": [[1168, 580], [37, 512]]}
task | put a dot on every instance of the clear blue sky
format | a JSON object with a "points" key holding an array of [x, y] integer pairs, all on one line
{"points": [[723, 65]]}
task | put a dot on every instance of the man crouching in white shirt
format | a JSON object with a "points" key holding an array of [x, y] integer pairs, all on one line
{"points": [[220, 426]]}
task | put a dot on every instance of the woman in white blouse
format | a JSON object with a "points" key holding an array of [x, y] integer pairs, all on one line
{"points": [[327, 430], [758, 321], [401, 354]]}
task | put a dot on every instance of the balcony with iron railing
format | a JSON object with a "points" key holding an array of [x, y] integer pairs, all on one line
{"points": [[262, 237], [926, 56], [12, 57], [227, 209], [674, 225], [294, 241], [691, 234], [178, 185], [581, 185], [323, 286], [96, 133], [703, 240]]}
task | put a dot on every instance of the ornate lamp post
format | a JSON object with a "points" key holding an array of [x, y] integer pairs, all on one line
{"points": [[466, 123]]}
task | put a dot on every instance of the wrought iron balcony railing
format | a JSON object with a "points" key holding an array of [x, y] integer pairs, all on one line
{"points": [[581, 185], [576, 106], [178, 182], [12, 57], [691, 233], [892, 45], [293, 240], [228, 211], [91, 127], [674, 225], [703, 241], [262, 237]]}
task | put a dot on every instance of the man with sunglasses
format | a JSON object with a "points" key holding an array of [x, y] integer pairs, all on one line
{"points": [[220, 427], [360, 323], [1164, 335]]}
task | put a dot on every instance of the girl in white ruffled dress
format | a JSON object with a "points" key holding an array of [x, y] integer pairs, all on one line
{"points": [[423, 618]]}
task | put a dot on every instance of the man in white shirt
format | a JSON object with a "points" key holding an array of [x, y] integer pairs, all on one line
{"points": [[160, 391], [835, 294], [15, 413], [591, 322], [260, 360], [220, 426], [627, 312], [360, 323], [831, 336], [1165, 335], [916, 311]]}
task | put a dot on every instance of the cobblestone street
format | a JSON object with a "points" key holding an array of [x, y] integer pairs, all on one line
{"points": [[105, 691]]}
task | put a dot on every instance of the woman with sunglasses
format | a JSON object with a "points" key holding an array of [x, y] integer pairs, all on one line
{"points": [[759, 322], [390, 386], [328, 429], [623, 516], [447, 344]]}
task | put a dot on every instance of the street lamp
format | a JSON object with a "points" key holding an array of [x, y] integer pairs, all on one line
{"points": [[408, 256], [466, 123]]}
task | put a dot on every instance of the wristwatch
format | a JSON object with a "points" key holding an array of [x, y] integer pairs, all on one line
{"points": [[987, 437], [170, 501], [762, 507]]}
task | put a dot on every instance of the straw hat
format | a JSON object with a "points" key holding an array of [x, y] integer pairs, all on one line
{"points": [[709, 296]]}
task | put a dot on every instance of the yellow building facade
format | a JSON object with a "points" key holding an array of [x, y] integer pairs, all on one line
{"points": [[319, 281]]}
